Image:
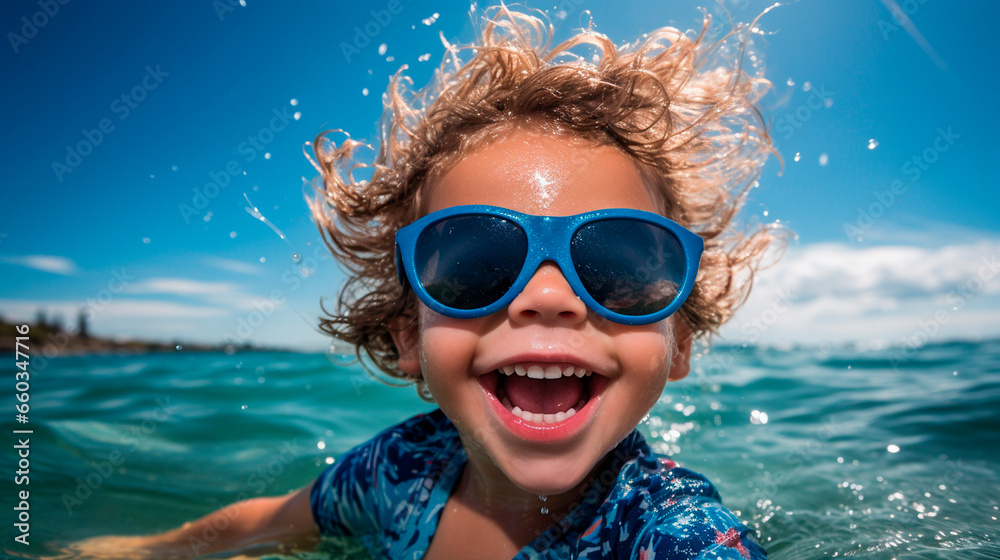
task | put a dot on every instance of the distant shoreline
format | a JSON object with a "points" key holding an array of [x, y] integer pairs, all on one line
{"points": [[53, 341]]}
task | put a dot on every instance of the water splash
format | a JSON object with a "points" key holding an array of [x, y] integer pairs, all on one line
{"points": [[253, 211]]}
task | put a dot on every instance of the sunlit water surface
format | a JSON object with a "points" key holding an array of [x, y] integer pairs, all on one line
{"points": [[826, 453]]}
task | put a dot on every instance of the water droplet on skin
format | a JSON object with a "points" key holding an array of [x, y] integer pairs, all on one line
{"points": [[872, 143], [296, 257]]}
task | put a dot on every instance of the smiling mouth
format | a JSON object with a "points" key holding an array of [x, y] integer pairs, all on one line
{"points": [[540, 393]]}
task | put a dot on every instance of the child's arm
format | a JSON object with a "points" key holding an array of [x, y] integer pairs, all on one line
{"points": [[259, 523]]}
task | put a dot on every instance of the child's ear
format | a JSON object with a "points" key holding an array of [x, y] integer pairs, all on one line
{"points": [[405, 336], [680, 366]]}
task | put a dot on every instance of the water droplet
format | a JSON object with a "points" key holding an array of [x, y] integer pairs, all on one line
{"points": [[790, 82], [262, 259], [823, 160], [294, 102], [329, 460], [545, 511], [798, 156], [243, 3], [828, 102], [173, 168], [424, 57], [297, 115], [146, 240], [765, 212], [807, 86], [382, 48], [296, 257], [267, 155], [758, 417], [232, 235], [364, 92], [321, 445], [892, 448], [244, 407], [390, 58], [872, 143]]}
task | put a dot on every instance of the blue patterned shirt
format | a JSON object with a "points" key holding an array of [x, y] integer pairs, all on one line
{"points": [[391, 490]]}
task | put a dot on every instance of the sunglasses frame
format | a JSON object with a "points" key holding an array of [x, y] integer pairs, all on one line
{"points": [[549, 239]]}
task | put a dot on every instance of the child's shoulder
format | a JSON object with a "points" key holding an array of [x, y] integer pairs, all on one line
{"points": [[656, 505]]}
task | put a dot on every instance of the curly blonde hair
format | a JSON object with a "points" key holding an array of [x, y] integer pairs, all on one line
{"points": [[689, 122]]}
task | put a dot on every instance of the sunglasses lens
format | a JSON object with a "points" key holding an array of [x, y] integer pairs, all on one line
{"points": [[629, 267], [469, 262]]}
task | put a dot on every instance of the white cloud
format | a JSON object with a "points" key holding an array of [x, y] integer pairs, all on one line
{"points": [[45, 263], [182, 287], [233, 265], [837, 293]]}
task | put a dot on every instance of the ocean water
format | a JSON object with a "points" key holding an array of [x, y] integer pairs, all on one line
{"points": [[827, 453]]}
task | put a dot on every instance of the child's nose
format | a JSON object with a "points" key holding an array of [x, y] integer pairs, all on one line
{"points": [[548, 297]]}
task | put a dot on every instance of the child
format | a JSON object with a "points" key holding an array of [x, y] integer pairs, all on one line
{"points": [[512, 255]]}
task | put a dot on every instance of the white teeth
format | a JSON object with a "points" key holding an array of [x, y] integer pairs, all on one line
{"points": [[548, 372], [539, 418]]}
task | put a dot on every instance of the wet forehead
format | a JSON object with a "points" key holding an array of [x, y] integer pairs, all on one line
{"points": [[542, 173]]}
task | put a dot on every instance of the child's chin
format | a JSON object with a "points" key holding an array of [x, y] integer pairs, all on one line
{"points": [[548, 476]]}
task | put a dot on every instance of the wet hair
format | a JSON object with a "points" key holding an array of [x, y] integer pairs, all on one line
{"points": [[682, 106]]}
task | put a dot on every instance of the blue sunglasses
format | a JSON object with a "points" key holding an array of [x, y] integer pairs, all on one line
{"points": [[628, 266]]}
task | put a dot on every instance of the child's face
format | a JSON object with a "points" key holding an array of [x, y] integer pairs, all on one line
{"points": [[546, 325]]}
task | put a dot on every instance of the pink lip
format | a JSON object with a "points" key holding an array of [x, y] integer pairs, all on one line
{"points": [[545, 433]]}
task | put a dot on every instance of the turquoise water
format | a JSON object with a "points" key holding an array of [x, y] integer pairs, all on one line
{"points": [[849, 453]]}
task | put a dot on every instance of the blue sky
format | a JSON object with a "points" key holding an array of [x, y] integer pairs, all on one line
{"points": [[122, 119]]}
